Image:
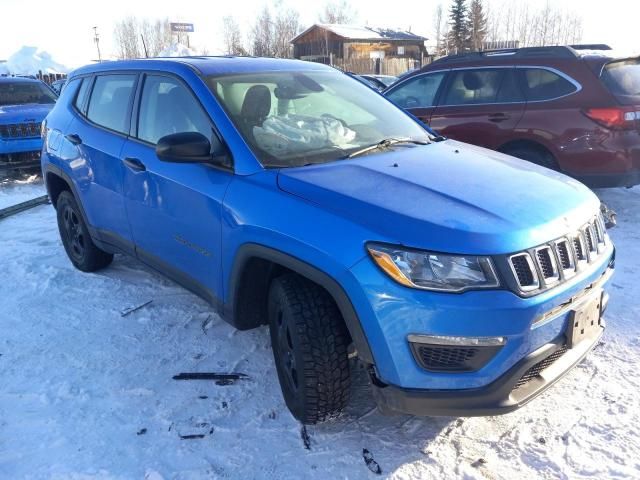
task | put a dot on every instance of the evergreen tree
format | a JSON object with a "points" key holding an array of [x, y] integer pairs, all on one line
{"points": [[459, 27], [477, 25]]}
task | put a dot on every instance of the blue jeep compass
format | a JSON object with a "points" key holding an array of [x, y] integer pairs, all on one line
{"points": [[24, 102], [287, 193]]}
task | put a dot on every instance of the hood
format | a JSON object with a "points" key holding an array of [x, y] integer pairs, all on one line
{"points": [[33, 112], [447, 197]]}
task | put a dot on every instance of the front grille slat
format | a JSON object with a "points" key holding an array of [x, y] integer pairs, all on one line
{"points": [[526, 275], [564, 254], [19, 130]]}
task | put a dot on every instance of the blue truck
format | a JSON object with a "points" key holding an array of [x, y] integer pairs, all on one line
{"points": [[288, 194], [24, 103]]}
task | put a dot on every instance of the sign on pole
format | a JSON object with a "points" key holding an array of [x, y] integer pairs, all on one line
{"points": [[182, 27]]}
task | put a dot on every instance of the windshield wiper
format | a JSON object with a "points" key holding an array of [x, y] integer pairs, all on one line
{"points": [[386, 143]]}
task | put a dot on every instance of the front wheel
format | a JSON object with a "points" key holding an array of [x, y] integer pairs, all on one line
{"points": [[309, 341], [81, 250]]}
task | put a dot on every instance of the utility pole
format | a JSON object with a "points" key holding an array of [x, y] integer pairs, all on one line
{"points": [[96, 38]]}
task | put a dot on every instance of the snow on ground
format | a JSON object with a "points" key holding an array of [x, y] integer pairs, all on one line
{"points": [[29, 60], [88, 393], [177, 50], [20, 190]]}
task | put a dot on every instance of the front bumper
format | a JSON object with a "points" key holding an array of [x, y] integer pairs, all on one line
{"points": [[20, 153], [515, 388]]}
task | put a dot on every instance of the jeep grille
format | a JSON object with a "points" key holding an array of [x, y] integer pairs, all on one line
{"points": [[556, 261]]}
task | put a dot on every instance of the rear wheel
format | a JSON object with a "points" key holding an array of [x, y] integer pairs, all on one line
{"points": [[531, 153], [81, 250], [309, 341]]}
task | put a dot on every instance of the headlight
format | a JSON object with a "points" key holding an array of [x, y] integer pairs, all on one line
{"points": [[434, 271]]}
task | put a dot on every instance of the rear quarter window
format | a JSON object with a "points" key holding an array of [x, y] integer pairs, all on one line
{"points": [[622, 78], [109, 102], [542, 84]]}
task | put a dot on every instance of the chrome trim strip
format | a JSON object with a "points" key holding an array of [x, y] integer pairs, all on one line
{"points": [[456, 341], [571, 302]]}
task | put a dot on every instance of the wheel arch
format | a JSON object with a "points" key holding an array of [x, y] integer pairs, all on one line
{"points": [[526, 143], [253, 269]]}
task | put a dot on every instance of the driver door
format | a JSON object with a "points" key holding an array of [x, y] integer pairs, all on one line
{"points": [[174, 208], [419, 94]]}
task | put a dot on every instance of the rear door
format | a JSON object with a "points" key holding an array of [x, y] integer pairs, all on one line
{"points": [[99, 133], [418, 94], [481, 106]]}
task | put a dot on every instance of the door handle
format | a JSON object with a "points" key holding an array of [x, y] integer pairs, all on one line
{"points": [[498, 117], [74, 138], [134, 164]]}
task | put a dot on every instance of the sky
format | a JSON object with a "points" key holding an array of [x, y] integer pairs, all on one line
{"points": [[65, 28]]}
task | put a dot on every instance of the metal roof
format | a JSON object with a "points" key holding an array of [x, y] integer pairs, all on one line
{"points": [[358, 32]]}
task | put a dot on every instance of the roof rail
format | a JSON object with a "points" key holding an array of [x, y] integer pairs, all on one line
{"points": [[591, 46], [537, 52]]}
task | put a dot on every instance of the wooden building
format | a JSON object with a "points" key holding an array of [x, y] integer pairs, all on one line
{"points": [[327, 43]]}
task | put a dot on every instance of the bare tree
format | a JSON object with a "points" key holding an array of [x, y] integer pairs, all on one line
{"points": [[261, 35], [285, 27], [125, 34], [128, 34], [549, 25], [337, 12], [271, 36], [438, 20], [232, 37]]}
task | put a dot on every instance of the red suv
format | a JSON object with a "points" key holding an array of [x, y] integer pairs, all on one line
{"points": [[575, 110]]}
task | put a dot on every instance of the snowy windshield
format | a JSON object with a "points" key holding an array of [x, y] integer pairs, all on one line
{"points": [[21, 93], [295, 118]]}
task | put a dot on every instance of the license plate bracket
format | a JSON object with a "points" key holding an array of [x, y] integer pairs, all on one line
{"points": [[585, 321]]}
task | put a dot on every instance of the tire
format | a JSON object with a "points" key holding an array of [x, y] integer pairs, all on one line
{"points": [[75, 236], [539, 156], [309, 341]]}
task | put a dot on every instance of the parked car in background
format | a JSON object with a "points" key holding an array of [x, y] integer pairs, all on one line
{"points": [[57, 85], [24, 103], [383, 81], [378, 82], [575, 110], [286, 193]]}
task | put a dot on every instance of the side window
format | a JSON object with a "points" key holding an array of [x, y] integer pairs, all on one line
{"points": [[69, 90], [168, 107], [79, 102], [510, 91], [419, 91], [542, 84], [469, 87], [109, 102]]}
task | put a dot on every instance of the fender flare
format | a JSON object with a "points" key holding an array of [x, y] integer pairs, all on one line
{"points": [[254, 250]]}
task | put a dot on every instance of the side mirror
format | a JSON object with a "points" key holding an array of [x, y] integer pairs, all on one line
{"points": [[189, 147]]}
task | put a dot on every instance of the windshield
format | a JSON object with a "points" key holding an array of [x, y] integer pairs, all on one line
{"points": [[623, 79], [21, 93], [295, 118]]}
